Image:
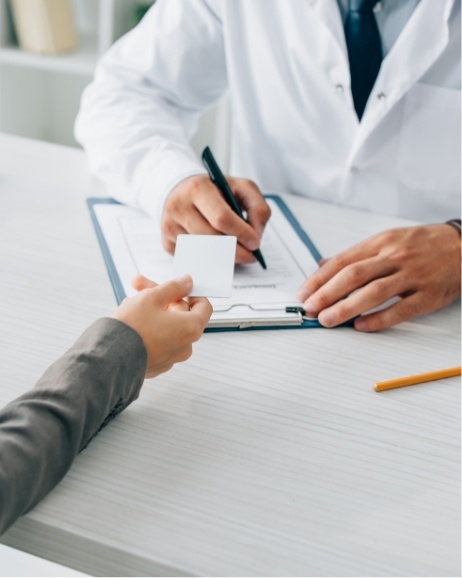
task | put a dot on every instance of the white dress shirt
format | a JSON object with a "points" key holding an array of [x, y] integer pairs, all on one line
{"points": [[294, 127]]}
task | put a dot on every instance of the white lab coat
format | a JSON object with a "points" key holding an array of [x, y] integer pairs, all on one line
{"points": [[294, 128]]}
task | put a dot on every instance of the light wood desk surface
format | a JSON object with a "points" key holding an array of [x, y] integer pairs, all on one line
{"points": [[267, 453]]}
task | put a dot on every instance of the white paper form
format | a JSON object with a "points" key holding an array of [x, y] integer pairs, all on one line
{"points": [[135, 244]]}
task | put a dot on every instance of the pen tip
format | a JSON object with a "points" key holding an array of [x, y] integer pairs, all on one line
{"points": [[259, 257]]}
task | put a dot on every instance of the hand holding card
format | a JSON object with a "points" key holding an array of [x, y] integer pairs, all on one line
{"points": [[209, 259]]}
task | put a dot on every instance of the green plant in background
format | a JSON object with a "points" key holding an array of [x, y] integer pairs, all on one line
{"points": [[140, 10]]}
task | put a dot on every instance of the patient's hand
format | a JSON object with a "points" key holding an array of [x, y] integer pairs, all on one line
{"points": [[167, 324]]}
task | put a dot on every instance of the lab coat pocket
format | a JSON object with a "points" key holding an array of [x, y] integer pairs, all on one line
{"points": [[429, 147]]}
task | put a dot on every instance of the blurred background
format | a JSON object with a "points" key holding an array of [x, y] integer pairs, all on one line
{"points": [[48, 53]]}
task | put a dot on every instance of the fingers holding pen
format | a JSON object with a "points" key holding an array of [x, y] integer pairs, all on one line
{"points": [[253, 203], [197, 206], [225, 221]]}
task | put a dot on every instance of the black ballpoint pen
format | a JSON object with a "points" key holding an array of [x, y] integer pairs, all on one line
{"points": [[218, 179]]}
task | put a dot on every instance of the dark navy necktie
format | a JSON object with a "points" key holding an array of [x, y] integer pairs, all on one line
{"points": [[364, 50]]}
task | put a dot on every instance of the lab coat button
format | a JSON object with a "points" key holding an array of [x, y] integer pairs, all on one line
{"points": [[339, 88], [381, 96], [354, 170]]}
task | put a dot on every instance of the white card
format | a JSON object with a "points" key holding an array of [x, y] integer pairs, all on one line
{"points": [[209, 259]]}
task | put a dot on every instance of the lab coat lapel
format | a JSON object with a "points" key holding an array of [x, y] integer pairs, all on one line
{"points": [[411, 56], [328, 12], [332, 47]]}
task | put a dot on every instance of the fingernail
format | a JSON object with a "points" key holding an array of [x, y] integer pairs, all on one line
{"points": [[252, 245], [327, 319], [310, 310], [360, 324], [185, 280]]}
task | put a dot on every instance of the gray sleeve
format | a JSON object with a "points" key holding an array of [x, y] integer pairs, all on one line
{"points": [[42, 431]]}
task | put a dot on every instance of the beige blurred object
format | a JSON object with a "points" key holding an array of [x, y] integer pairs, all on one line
{"points": [[45, 26]]}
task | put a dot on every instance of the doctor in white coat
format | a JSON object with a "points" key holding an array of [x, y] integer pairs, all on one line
{"points": [[291, 70]]}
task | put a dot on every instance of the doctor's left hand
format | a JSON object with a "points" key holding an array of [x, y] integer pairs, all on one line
{"points": [[420, 265]]}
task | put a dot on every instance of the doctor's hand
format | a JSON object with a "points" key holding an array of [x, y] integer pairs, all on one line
{"points": [[196, 206], [166, 322], [421, 265]]}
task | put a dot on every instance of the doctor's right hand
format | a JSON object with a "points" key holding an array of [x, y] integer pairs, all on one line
{"points": [[167, 322], [197, 207]]}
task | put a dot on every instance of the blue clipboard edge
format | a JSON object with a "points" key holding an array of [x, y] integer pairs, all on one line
{"points": [[120, 293], [296, 226], [110, 266]]}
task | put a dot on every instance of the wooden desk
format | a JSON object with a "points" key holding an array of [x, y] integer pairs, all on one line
{"points": [[267, 453]]}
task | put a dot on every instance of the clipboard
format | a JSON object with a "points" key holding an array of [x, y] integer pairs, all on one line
{"points": [[117, 225]]}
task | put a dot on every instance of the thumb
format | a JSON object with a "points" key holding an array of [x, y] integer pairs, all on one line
{"points": [[174, 290]]}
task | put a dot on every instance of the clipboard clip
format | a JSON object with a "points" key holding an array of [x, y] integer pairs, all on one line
{"points": [[300, 311], [295, 310]]}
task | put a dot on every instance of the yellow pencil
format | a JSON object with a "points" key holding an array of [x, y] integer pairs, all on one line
{"points": [[419, 378]]}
